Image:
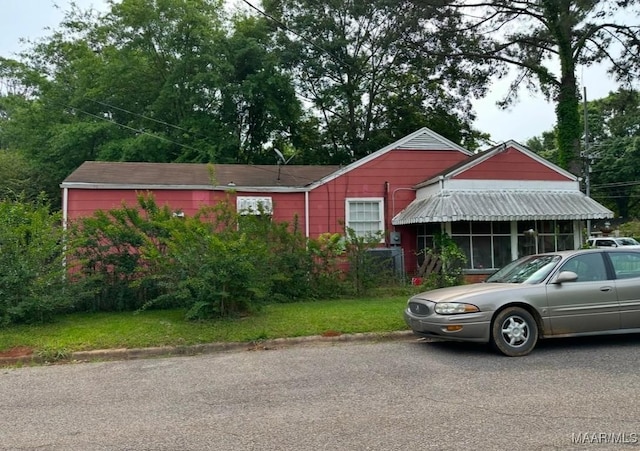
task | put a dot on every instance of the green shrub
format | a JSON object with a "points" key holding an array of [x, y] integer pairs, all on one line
{"points": [[216, 263], [210, 267], [327, 253], [365, 271], [453, 262], [106, 257], [31, 263], [285, 255]]}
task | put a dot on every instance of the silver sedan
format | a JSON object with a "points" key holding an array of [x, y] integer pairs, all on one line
{"points": [[569, 293]]}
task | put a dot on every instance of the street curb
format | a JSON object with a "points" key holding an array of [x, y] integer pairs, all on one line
{"points": [[206, 348]]}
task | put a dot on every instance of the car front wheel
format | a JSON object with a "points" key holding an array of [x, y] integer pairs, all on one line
{"points": [[514, 332]]}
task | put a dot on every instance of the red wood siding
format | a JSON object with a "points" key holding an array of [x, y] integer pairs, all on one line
{"points": [[84, 202], [401, 169], [511, 165]]}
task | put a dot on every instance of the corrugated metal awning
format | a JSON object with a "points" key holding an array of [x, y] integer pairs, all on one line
{"points": [[504, 205]]}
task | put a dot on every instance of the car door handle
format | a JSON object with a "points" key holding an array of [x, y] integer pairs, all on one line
{"points": [[605, 288]]}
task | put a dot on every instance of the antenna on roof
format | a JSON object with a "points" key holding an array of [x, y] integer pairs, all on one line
{"points": [[281, 159], [280, 156]]}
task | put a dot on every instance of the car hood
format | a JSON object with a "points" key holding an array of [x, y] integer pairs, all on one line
{"points": [[465, 293]]}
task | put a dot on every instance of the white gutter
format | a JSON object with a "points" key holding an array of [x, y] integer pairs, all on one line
{"points": [[65, 207], [140, 187], [306, 214]]}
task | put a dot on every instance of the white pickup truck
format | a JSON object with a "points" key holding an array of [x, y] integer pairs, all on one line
{"points": [[613, 241]]}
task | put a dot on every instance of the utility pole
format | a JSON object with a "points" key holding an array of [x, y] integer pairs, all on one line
{"points": [[587, 177]]}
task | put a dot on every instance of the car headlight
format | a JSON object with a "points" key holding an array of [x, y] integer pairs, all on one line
{"points": [[452, 308]]}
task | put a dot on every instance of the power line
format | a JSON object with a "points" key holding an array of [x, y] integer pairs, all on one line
{"points": [[617, 184], [140, 115], [137, 130]]}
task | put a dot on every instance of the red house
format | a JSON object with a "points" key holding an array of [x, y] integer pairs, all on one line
{"points": [[496, 205]]}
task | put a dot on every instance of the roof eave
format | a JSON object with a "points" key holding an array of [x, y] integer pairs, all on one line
{"points": [[149, 187], [439, 219]]}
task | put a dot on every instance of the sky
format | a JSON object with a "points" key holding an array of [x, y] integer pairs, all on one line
{"points": [[532, 115]]}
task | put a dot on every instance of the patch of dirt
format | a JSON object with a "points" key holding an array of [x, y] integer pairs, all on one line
{"points": [[18, 351], [331, 333]]}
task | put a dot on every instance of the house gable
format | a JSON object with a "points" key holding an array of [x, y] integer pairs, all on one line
{"points": [[511, 162], [421, 140], [506, 162]]}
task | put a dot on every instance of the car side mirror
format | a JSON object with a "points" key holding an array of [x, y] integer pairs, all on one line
{"points": [[566, 276]]}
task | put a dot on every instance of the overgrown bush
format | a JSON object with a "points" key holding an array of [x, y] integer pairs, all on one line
{"points": [[365, 270], [287, 260], [216, 263], [210, 273], [31, 263], [327, 252], [453, 261], [106, 258]]}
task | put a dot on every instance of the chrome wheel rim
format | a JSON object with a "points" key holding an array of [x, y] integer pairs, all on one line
{"points": [[515, 331]]}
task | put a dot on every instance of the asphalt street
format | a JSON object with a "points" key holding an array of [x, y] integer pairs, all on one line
{"points": [[394, 395]]}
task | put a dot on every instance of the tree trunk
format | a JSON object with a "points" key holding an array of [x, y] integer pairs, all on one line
{"points": [[567, 106]]}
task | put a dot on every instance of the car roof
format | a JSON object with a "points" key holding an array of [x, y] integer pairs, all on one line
{"points": [[565, 254]]}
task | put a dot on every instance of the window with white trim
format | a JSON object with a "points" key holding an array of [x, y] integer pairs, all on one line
{"points": [[365, 215], [251, 205]]}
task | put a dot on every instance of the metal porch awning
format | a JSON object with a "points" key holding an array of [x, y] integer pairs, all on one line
{"points": [[503, 205]]}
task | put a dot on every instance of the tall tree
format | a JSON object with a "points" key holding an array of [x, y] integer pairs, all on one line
{"points": [[614, 147], [533, 36], [258, 100], [356, 64], [614, 124], [149, 80]]}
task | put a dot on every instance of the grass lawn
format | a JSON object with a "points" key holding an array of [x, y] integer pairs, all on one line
{"points": [[83, 332]]}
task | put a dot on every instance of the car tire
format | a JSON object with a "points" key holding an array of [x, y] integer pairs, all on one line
{"points": [[514, 332]]}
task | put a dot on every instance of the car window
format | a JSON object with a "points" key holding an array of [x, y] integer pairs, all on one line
{"points": [[627, 242], [588, 267], [530, 269], [607, 243], [625, 264]]}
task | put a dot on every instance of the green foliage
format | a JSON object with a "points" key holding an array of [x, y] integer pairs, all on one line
{"points": [[107, 256], [365, 270], [535, 36], [17, 182], [453, 263], [213, 274], [370, 88], [327, 276], [31, 263], [631, 228], [614, 124], [614, 146], [285, 257], [216, 263]]}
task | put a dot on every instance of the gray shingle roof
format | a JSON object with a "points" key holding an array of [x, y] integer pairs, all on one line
{"points": [[175, 175]]}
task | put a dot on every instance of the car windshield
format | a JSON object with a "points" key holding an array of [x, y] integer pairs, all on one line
{"points": [[627, 242], [531, 269]]}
